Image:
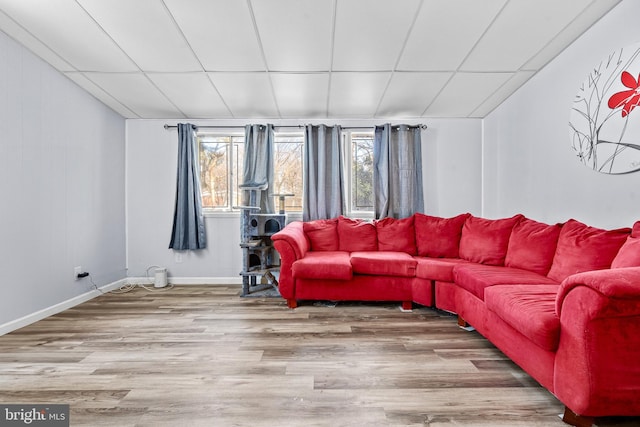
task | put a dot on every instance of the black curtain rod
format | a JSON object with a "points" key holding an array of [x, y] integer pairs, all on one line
{"points": [[167, 127]]}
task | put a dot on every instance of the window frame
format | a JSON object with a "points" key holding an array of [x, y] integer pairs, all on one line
{"points": [[232, 175], [347, 141], [231, 209]]}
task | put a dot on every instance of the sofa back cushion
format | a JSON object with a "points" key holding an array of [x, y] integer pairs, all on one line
{"points": [[322, 234], [532, 246], [485, 241], [629, 253], [584, 248], [356, 235], [438, 237], [397, 235]]}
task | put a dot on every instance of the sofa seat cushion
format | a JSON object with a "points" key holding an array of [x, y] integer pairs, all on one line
{"points": [[382, 263], [440, 269], [529, 309], [323, 265], [475, 278]]}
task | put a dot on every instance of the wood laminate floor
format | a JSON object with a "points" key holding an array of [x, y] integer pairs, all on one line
{"points": [[203, 356]]}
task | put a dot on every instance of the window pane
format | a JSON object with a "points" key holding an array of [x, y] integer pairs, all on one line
{"points": [[214, 172], [287, 166], [362, 172]]}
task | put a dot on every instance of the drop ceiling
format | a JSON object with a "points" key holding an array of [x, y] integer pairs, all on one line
{"points": [[299, 59]]}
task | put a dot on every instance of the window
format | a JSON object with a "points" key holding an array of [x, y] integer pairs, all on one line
{"points": [[359, 160], [221, 162], [222, 158], [287, 165]]}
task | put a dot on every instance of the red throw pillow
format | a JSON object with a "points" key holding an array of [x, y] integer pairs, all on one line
{"points": [[322, 234], [486, 240], [584, 248], [396, 235], [438, 237], [635, 232], [629, 254], [532, 246], [356, 235]]}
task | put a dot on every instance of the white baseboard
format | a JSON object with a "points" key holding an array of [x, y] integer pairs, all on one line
{"points": [[57, 308], [236, 280]]}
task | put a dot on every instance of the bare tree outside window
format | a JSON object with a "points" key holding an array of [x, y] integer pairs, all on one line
{"points": [[214, 174], [288, 169], [222, 159], [221, 163], [362, 171]]}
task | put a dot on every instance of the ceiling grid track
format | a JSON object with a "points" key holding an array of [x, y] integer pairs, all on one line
{"points": [[186, 40], [264, 58]]}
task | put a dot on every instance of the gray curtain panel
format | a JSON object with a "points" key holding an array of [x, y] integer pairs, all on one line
{"points": [[397, 172], [188, 222], [323, 195], [258, 163]]}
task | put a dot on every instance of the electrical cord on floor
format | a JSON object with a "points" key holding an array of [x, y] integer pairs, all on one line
{"points": [[128, 287], [93, 284]]}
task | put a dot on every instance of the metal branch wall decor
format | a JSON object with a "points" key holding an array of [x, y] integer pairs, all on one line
{"points": [[604, 122]]}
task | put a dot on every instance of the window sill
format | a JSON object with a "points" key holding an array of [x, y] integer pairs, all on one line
{"points": [[221, 214], [291, 216]]}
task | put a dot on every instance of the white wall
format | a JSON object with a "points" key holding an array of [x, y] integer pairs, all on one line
{"points": [[528, 163], [451, 166], [61, 186]]}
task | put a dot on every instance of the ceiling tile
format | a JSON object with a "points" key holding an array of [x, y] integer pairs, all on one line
{"points": [[578, 26], [370, 34], [101, 95], [221, 32], [246, 94], [517, 80], [299, 58], [192, 93], [356, 94], [536, 23], [139, 27], [465, 92], [14, 30], [445, 32], [64, 27], [303, 95], [295, 34], [409, 94], [137, 93]]}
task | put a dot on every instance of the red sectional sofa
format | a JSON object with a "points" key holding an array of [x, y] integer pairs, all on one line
{"points": [[561, 300]]}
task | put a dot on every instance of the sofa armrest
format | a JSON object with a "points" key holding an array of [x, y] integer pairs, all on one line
{"points": [[619, 284], [293, 234], [597, 370], [292, 244]]}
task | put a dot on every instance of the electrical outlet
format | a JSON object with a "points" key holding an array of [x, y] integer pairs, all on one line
{"points": [[178, 257], [76, 271]]}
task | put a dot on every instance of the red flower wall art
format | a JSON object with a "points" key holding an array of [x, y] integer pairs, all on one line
{"points": [[605, 124]]}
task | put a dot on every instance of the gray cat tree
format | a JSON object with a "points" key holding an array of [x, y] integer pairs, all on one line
{"points": [[259, 258]]}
